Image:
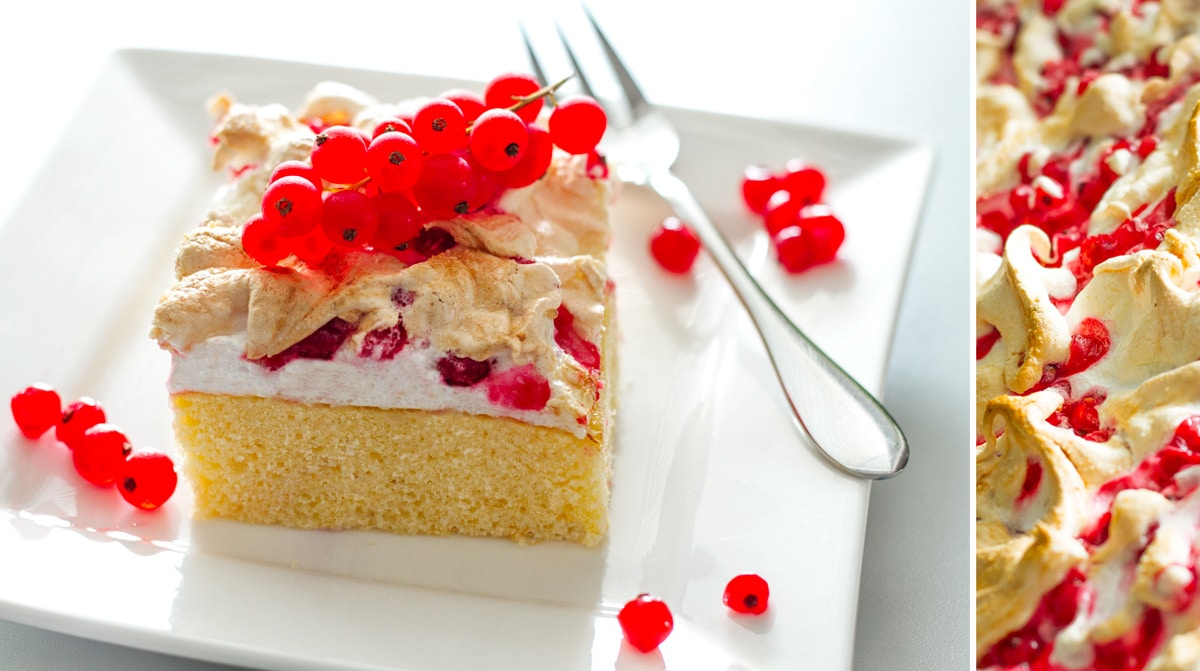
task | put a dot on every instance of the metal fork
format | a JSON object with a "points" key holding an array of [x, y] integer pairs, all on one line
{"points": [[847, 424]]}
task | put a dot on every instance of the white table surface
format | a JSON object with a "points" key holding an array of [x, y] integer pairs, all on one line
{"points": [[900, 69]]}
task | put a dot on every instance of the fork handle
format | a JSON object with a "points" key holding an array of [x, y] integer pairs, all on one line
{"points": [[847, 424]]}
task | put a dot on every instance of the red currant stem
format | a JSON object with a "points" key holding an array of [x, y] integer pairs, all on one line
{"points": [[522, 101], [357, 185]]}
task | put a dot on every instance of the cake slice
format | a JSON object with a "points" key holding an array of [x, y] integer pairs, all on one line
{"points": [[458, 382]]}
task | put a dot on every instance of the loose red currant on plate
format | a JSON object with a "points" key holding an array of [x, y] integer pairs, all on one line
{"points": [[539, 152], [674, 245], [394, 161], [349, 219], [440, 127], [338, 154], [747, 593], [781, 212], [148, 479], [758, 184], [577, 124], [295, 169], [35, 409], [99, 455], [263, 243], [393, 124], [646, 622], [78, 417], [471, 103], [805, 182], [293, 205], [825, 232], [505, 90], [445, 186], [794, 250], [498, 139]]}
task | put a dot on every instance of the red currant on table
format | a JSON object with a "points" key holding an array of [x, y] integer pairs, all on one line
{"points": [[803, 181], [498, 139], [78, 417], [577, 124], [758, 184], [99, 455], [747, 593], [293, 205], [674, 245], [793, 249], [35, 409], [338, 155], [825, 232], [505, 90], [148, 479], [646, 622]]}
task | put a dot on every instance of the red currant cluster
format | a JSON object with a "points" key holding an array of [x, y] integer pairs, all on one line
{"points": [[101, 452], [452, 156], [804, 230], [646, 621]]}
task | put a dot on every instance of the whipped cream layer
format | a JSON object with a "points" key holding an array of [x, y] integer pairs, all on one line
{"points": [[523, 284]]}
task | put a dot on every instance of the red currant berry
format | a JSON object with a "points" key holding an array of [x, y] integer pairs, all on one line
{"points": [[148, 479], [498, 139], [758, 184], [394, 161], [399, 222], [794, 250], [78, 417], [471, 103], [99, 455], [781, 212], [439, 127], [446, 186], [805, 182], [533, 164], [339, 154], [646, 622], [263, 243], [674, 245], [577, 124], [35, 409], [825, 232], [312, 247], [349, 219], [486, 185], [505, 90], [393, 124], [747, 593], [293, 205], [295, 169]]}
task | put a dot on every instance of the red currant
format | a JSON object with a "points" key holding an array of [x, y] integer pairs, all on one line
{"points": [[263, 243], [348, 219], [446, 186], [674, 245], [747, 593], [78, 417], [35, 409], [392, 124], [440, 127], [339, 154], [471, 103], [577, 124], [99, 455], [498, 139], [825, 232], [394, 161], [293, 205], [646, 622], [805, 182], [505, 90], [533, 164], [312, 247], [148, 479], [758, 184], [295, 169], [793, 249], [781, 212], [399, 222]]}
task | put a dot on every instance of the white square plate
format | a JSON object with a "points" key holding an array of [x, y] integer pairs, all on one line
{"points": [[711, 476]]}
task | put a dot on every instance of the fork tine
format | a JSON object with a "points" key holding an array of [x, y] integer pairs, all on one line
{"points": [[633, 94], [583, 82], [533, 58]]}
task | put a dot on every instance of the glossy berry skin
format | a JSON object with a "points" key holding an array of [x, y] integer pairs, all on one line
{"points": [[394, 161], [78, 417], [498, 139], [295, 169], [646, 622], [348, 219], [148, 479], [804, 182], [35, 409], [293, 205], [504, 90], [758, 185], [471, 103], [539, 152], [747, 593], [440, 127], [674, 246], [391, 125], [262, 242], [338, 155], [446, 186], [99, 455], [577, 124], [399, 222], [793, 249], [825, 232]]}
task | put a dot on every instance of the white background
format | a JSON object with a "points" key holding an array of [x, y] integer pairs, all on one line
{"points": [[899, 69]]}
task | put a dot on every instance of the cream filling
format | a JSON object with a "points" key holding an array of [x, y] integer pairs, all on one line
{"points": [[410, 380]]}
